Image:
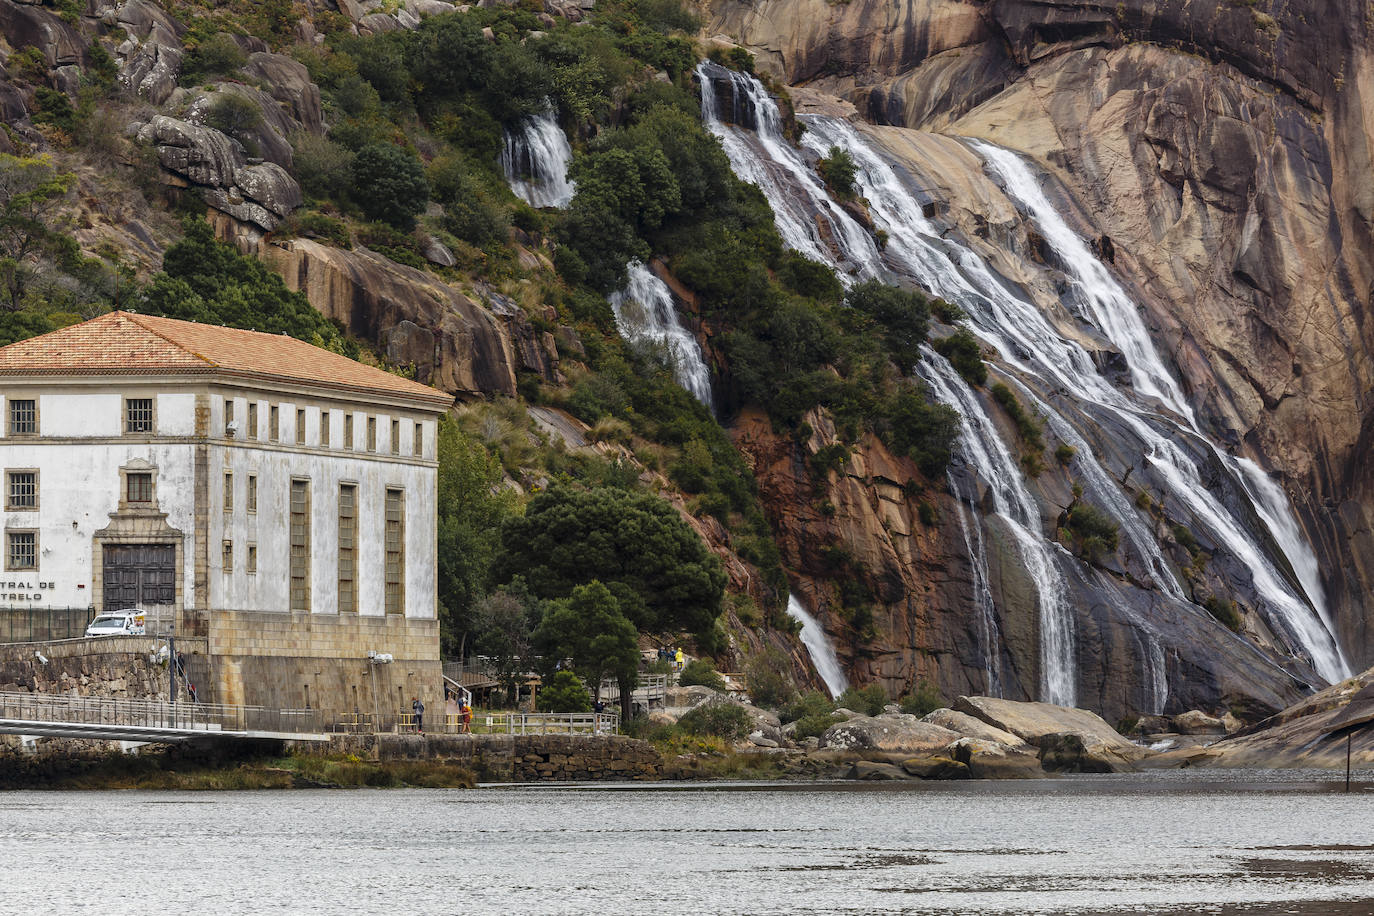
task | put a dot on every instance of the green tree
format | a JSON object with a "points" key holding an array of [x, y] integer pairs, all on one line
{"points": [[565, 692], [235, 116], [208, 281], [471, 505], [901, 316], [658, 568], [389, 184], [504, 623], [31, 194], [589, 629], [838, 170]]}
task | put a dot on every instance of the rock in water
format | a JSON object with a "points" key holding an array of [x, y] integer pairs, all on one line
{"points": [[889, 734]]}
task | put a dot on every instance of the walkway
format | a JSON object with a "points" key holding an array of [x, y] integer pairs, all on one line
{"points": [[119, 719]]}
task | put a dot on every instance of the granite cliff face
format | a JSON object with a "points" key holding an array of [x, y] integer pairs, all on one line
{"points": [[1218, 155]]}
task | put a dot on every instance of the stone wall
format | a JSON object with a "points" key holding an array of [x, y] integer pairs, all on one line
{"points": [[514, 758], [110, 666], [299, 659]]}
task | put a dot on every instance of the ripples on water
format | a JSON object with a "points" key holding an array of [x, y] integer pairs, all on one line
{"points": [[1212, 842]]}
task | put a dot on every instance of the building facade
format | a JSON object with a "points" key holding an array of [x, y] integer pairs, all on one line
{"points": [[272, 499]]}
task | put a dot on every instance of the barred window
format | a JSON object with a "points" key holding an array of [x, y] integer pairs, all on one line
{"points": [[228, 411], [300, 426], [252, 563], [252, 419], [252, 493], [419, 439], [273, 423], [348, 431], [300, 545], [348, 548], [395, 436], [21, 550], [21, 491], [372, 434], [138, 415], [395, 549], [140, 488], [23, 417], [228, 491], [228, 556]]}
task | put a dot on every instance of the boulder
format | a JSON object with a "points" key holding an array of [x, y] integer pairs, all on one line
{"points": [[967, 725], [436, 252], [989, 760], [289, 83], [268, 139], [1070, 752], [429, 7], [935, 768], [1196, 722], [150, 60], [34, 26], [873, 771], [1032, 722], [888, 734]]}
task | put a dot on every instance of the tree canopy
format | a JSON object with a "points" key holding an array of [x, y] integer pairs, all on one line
{"points": [[637, 545]]}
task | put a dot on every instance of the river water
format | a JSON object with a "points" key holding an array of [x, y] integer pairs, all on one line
{"points": [[1152, 843]]}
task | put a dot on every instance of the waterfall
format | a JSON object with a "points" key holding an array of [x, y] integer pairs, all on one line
{"points": [[998, 469], [818, 647], [645, 315], [808, 220], [982, 586], [535, 159]]}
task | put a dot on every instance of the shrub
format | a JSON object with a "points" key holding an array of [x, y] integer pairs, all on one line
{"points": [[813, 726], [769, 684], [1224, 611], [1064, 454], [389, 184], [720, 720], [1093, 530], [700, 673], [927, 513], [233, 115], [1027, 425], [868, 700], [922, 700], [324, 168], [965, 354], [811, 703], [838, 171], [565, 692], [1185, 539], [217, 55], [947, 312], [313, 224]]}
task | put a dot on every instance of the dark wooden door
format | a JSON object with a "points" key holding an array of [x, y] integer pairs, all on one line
{"points": [[139, 575]]}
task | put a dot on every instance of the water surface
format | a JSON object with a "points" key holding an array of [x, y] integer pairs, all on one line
{"points": [[1172, 842]]}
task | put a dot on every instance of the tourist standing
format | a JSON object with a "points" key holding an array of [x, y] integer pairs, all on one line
{"points": [[419, 709]]}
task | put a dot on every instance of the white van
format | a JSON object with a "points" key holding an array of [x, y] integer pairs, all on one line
{"points": [[128, 622]]}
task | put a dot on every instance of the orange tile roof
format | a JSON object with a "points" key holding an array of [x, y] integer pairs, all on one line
{"points": [[125, 343]]}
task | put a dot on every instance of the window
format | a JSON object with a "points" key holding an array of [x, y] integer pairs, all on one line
{"points": [[252, 419], [395, 436], [326, 432], [228, 556], [372, 434], [348, 548], [300, 426], [228, 491], [273, 423], [140, 488], [138, 415], [395, 563], [21, 550], [348, 431], [21, 490], [252, 493], [23, 417], [419, 443], [228, 415], [300, 545], [252, 558]]}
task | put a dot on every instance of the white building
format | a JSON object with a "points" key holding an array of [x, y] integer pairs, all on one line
{"points": [[274, 500]]}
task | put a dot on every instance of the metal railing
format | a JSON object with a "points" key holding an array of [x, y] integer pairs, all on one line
{"points": [[120, 711], [40, 624], [652, 688], [517, 723]]}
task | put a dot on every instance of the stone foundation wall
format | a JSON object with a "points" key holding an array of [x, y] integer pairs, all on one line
{"points": [[298, 659], [514, 758], [111, 666]]}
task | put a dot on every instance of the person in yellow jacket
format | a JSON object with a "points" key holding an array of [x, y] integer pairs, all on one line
{"points": [[677, 660]]}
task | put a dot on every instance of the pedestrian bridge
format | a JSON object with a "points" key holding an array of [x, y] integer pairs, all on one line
{"points": [[121, 719]]}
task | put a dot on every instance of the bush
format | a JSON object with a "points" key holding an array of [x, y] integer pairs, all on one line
{"points": [[1093, 530], [1064, 453], [720, 720], [1224, 611], [813, 726], [233, 115], [1029, 428], [811, 703], [924, 699], [324, 168], [770, 687], [218, 55], [838, 171], [389, 184], [868, 700], [565, 692], [965, 354], [700, 673]]}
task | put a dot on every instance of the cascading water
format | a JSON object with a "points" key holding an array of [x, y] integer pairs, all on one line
{"points": [[1028, 342], [998, 469], [818, 647], [644, 314], [535, 160], [982, 585]]}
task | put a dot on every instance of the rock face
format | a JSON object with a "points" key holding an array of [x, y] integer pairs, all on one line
{"points": [[1218, 153], [888, 734]]}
